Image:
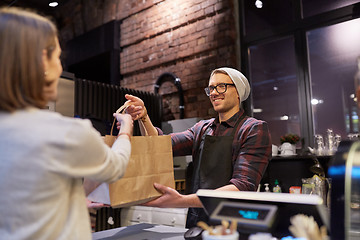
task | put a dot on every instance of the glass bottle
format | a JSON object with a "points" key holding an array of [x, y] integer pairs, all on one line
{"points": [[277, 188]]}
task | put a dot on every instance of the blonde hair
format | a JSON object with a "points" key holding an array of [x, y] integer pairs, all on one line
{"points": [[23, 37]]}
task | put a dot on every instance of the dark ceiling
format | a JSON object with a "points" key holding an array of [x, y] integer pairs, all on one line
{"points": [[41, 6]]}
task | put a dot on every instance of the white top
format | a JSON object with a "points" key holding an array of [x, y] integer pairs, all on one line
{"points": [[43, 157]]}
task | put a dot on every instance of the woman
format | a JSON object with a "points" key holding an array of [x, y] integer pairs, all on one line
{"points": [[45, 156]]}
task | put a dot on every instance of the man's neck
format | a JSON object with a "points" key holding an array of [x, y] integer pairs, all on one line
{"points": [[223, 117]]}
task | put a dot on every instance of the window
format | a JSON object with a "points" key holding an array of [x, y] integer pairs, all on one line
{"points": [[333, 53], [307, 50], [311, 7], [274, 86]]}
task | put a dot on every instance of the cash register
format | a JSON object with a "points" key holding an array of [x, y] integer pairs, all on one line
{"points": [[261, 211]]}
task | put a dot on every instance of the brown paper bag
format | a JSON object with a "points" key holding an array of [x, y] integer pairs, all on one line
{"points": [[151, 161]]}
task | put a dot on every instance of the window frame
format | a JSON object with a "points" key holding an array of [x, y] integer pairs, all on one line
{"points": [[298, 29]]}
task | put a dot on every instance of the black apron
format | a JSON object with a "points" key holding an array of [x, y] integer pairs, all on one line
{"points": [[212, 168]]}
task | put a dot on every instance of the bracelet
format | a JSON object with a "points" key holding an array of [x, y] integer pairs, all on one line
{"points": [[143, 119], [124, 134]]}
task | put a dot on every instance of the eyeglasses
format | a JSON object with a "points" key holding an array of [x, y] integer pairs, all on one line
{"points": [[220, 88]]}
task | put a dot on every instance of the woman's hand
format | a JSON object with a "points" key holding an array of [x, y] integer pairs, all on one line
{"points": [[125, 123], [95, 205]]}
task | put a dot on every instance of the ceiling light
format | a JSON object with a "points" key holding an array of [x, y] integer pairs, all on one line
{"points": [[53, 4], [315, 101], [284, 118], [258, 4]]}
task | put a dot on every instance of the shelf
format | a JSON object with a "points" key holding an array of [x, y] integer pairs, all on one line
{"points": [[289, 170]]}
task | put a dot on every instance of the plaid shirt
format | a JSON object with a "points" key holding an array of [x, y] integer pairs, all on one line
{"points": [[251, 146]]}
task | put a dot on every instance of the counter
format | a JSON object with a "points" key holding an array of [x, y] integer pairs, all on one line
{"points": [[141, 231]]}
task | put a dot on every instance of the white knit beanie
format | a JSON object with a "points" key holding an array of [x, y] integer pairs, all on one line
{"points": [[241, 83]]}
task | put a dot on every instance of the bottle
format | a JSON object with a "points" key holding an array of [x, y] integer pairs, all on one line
{"points": [[267, 189], [277, 188]]}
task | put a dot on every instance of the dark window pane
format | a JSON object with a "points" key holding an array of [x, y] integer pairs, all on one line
{"points": [[333, 53], [313, 7], [272, 14], [275, 87]]}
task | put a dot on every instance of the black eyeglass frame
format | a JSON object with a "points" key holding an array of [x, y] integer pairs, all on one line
{"points": [[209, 89]]}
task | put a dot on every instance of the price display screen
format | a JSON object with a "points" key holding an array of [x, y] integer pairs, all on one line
{"points": [[255, 216], [244, 212]]}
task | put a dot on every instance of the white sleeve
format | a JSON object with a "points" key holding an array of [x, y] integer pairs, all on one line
{"points": [[85, 154]]}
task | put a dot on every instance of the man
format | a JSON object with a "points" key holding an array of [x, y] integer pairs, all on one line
{"points": [[230, 152]]}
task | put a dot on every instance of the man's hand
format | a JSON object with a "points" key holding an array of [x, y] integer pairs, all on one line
{"points": [[136, 107], [171, 198]]}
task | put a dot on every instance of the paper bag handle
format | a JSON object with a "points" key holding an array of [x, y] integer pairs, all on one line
{"points": [[120, 110], [142, 124]]}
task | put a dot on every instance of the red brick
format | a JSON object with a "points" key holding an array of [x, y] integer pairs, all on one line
{"points": [[188, 38]]}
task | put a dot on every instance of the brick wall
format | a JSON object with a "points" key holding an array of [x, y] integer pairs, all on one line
{"points": [[188, 38]]}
